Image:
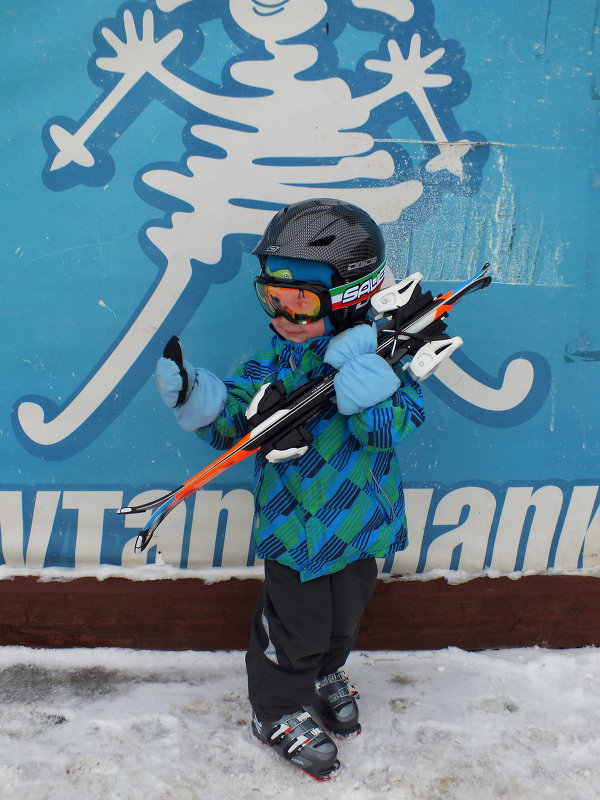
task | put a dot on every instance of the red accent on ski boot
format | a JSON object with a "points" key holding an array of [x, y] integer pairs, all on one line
{"points": [[299, 739]]}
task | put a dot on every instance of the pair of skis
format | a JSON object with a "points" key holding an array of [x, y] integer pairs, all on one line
{"points": [[410, 322]]}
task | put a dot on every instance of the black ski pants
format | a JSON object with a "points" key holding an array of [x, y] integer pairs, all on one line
{"points": [[301, 632]]}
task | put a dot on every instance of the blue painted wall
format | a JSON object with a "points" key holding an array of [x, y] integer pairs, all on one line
{"points": [[140, 165]]}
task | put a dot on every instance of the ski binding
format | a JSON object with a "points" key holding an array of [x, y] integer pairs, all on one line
{"points": [[428, 358]]}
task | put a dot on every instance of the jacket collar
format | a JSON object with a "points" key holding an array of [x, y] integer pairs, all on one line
{"points": [[310, 353]]}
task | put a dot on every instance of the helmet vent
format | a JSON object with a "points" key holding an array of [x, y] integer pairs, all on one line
{"points": [[323, 242]]}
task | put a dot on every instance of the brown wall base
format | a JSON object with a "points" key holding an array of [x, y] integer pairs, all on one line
{"points": [[187, 614]]}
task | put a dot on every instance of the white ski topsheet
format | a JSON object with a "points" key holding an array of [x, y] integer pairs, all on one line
{"points": [[112, 723]]}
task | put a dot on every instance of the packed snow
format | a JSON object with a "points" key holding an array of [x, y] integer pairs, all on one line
{"points": [[449, 724]]}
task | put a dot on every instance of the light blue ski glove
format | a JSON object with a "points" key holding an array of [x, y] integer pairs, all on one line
{"points": [[363, 378], [196, 396]]}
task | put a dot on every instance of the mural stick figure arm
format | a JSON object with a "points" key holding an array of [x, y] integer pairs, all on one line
{"points": [[136, 56], [406, 74], [410, 75]]}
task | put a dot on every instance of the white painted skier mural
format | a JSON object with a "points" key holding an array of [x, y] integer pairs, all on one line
{"points": [[288, 124]]}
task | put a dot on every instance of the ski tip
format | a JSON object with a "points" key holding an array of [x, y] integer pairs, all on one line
{"points": [[125, 510], [142, 541]]}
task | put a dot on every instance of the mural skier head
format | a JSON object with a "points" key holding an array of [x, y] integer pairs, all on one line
{"points": [[277, 20]]}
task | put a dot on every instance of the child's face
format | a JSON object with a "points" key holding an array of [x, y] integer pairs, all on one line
{"points": [[298, 333]]}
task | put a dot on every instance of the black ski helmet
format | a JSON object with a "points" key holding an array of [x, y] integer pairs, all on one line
{"points": [[331, 231]]}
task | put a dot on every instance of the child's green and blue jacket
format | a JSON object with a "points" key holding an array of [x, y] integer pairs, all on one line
{"points": [[343, 500]]}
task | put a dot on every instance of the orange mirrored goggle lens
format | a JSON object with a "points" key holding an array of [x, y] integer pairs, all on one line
{"points": [[293, 303]]}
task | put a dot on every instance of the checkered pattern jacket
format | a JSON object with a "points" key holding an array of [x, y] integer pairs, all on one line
{"points": [[341, 501]]}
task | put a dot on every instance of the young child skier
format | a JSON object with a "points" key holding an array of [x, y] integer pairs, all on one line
{"points": [[323, 517]]}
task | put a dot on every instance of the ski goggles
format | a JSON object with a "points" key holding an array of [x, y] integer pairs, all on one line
{"points": [[297, 301], [304, 301]]}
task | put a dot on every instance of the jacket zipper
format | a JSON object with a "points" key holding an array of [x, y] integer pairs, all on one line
{"points": [[382, 492]]}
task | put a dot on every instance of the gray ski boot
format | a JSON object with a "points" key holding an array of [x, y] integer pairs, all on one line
{"points": [[335, 704], [299, 739]]}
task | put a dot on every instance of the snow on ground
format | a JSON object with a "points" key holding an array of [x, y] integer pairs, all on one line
{"points": [[443, 725]]}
